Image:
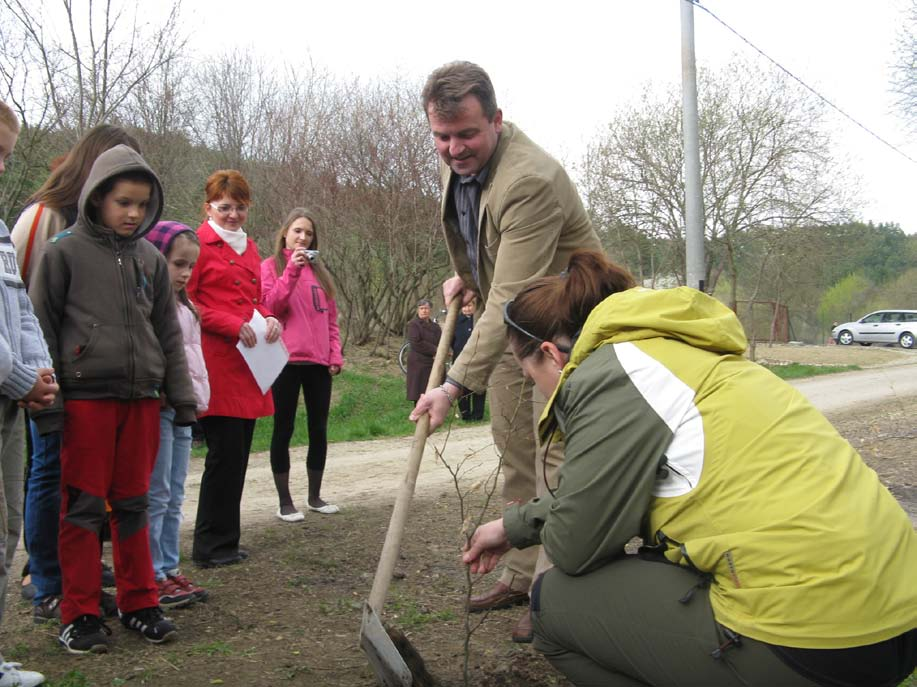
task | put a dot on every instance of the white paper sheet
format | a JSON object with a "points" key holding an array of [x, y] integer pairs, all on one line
{"points": [[265, 360]]}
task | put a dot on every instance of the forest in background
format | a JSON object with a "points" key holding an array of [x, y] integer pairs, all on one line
{"points": [[778, 225]]}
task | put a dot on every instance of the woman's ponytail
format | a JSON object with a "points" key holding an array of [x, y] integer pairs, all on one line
{"points": [[558, 306]]}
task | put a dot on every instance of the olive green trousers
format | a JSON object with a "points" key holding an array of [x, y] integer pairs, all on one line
{"points": [[624, 625]]}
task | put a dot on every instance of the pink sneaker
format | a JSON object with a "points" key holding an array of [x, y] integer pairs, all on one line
{"points": [[172, 595], [200, 594]]}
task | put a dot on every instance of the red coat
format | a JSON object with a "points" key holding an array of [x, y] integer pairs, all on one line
{"points": [[226, 288]]}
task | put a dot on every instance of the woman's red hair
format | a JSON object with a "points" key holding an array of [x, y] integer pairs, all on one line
{"points": [[227, 182]]}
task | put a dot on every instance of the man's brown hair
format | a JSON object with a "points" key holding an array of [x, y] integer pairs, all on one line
{"points": [[447, 86]]}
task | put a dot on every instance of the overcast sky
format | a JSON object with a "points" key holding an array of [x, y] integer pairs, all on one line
{"points": [[561, 69]]}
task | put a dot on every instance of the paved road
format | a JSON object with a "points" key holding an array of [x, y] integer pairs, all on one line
{"points": [[847, 389]]}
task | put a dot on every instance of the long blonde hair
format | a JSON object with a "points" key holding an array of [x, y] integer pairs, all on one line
{"points": [[318, 267]]}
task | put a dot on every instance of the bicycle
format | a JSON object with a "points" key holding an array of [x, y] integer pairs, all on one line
{"points": [[406, 348], [403, 357]]}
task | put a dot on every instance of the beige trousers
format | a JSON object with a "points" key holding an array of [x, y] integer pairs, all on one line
{"points": [[515, 406], [12, 464]]}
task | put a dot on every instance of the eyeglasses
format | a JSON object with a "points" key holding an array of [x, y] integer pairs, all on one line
{"points": [[508, 320], [226, 209]]}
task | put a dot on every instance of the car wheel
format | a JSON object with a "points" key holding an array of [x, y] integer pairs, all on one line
{"points": [[906, 340], [845, 338]]}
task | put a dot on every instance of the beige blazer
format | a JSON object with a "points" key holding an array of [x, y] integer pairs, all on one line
{"points": [[531, 219]]}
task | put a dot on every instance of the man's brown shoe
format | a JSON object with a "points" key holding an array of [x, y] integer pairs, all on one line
{"points": [[498, 596], [523, 632]]}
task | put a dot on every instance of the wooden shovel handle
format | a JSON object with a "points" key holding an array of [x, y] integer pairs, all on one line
{"points": [[392, 544]]}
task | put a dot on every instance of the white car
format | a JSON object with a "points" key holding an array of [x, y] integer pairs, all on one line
{"points": [[881, 326]]}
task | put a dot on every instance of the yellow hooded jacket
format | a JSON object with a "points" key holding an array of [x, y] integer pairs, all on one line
{"points": [[672, 434]]}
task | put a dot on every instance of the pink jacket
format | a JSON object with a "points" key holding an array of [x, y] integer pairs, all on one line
{"points": [[309, 316], [191, 337]]}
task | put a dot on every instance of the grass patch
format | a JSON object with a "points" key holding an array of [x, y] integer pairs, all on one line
{"points": [[217, 648], [798, 370], [341, 606], [409, 615], [72, 679], [363, 406]]}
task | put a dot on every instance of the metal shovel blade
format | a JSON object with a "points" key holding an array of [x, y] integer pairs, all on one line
{"points": [[383, 655]]}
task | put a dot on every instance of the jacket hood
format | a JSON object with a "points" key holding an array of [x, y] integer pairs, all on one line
{"points": [[683, 313], [119, 160]]}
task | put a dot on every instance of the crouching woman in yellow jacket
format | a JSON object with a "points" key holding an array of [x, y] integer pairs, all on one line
{"points": [[772, 555]]}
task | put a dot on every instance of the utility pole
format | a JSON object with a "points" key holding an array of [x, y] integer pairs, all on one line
{"points": [[694, 199]]}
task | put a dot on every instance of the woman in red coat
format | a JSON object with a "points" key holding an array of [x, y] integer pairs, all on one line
{"points": [[226, 289]]}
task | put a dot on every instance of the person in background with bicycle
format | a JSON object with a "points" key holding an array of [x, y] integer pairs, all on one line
{"points": [[423, 335]]}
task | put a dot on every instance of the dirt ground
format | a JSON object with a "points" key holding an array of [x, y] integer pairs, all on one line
{"points": [[290, 615]]}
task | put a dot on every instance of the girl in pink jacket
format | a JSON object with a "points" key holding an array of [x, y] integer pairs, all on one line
{"points": [[298, 289]]}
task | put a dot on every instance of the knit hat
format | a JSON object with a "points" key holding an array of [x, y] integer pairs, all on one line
{"points": [[163, 234]]}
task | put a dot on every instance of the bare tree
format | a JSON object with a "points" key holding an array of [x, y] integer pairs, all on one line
{"points": [[237, 96], [357, 153], [90, 66], [161, 114], [765, 161], [904, 68], [388, 250], [69, 65]]}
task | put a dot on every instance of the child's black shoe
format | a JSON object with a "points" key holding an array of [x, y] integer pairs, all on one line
{"points": [[150, 622]]}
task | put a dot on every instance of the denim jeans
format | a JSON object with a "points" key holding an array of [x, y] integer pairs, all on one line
{"points": [[167, 493], [43, 514]]}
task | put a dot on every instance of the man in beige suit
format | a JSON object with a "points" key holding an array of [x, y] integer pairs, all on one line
{"points": [[510, 215]]}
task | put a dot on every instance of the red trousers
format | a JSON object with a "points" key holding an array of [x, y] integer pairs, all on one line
{"points": [[107, 453]]}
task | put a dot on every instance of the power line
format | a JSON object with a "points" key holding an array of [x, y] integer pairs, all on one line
{"points": [[802, 83]]}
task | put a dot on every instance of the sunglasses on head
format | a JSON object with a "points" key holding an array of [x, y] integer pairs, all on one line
{"points": [[508, 320]]}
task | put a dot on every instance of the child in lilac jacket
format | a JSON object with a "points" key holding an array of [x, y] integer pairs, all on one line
{"points": [[180, 246]]}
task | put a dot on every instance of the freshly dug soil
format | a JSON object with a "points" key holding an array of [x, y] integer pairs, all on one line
{"points": [[290, 615]]}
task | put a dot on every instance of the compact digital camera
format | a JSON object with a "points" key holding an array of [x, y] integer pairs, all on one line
{"points": [[311, 255]]}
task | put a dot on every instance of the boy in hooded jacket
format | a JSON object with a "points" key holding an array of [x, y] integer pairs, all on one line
{"points": [[105, 304]]}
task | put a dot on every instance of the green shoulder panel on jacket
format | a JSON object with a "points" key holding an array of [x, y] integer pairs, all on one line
{"points": [[615, 445], [64, 234]]}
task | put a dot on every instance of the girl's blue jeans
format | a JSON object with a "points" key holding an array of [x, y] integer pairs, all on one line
{"points": [[167, 493]]}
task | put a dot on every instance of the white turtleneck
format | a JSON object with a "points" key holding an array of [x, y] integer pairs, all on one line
{"points": [[237, 240]]}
